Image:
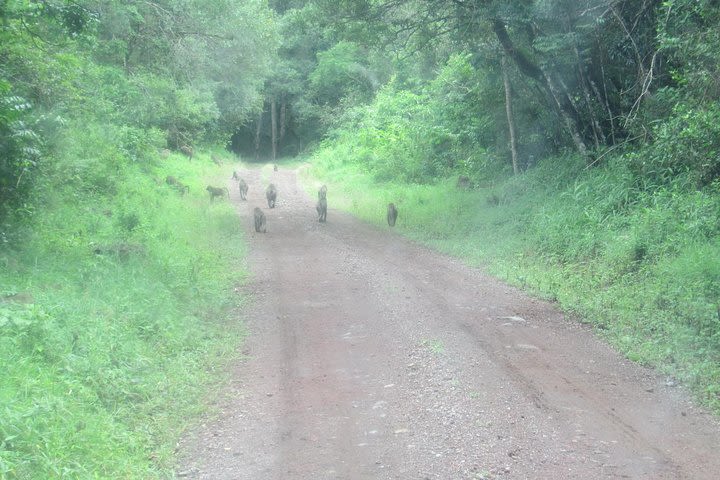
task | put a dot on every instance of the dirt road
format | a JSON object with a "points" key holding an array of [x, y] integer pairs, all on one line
{"points": [[370, 357]]}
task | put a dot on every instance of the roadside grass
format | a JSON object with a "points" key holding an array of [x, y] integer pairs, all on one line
{"points": [[117, 312], [642, 266]]}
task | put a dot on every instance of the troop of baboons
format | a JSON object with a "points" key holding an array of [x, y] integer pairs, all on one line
{"points": [[271, 193], [259, 219]]}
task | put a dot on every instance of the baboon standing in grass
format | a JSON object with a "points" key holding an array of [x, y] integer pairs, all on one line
{"points": [[182, 188], [187, 150], [260, 220], [391, 214], [177, 184], [217, 192], [271, 194], [243, 189], [463, 182]]}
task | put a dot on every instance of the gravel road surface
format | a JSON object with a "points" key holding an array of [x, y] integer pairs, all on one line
{"points": [[370, 357]]}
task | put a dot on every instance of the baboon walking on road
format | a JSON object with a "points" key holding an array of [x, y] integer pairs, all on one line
{"points": [[260, 220], [236, 175], [321, 206], [322, 209], [243, 188], [271, 194], [391, 214]]}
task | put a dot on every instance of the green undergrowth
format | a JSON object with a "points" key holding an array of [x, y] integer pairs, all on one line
{"points": [[641, 265], [117, 311]]}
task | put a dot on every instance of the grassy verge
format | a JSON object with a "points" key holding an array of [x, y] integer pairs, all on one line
{"points": [[116, 312], [643, 268]]}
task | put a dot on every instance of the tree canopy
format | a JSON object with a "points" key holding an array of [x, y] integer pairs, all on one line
{"points": [[279, 77]]}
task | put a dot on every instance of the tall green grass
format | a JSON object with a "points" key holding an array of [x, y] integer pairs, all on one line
{"points": [[641, 265], [116, 311]]}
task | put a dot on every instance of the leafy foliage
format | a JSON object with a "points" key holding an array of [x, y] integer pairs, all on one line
{"points": [[173, 68], [418, 137], [19, 154], [111, 319]]}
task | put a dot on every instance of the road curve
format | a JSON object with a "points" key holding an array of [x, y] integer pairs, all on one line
{"points": [[370, 357]]}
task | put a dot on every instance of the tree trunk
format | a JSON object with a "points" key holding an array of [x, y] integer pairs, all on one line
{"points": [[603, 99], [508, 110], [569, 121], [283, 112], [598, 134], [534, 71], [257, 134], [273, 127]]}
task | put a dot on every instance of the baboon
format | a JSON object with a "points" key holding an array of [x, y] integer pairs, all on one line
{"points": [[187, 151], [182, 188], [275, 167], [243, 188], [177, 184], [391, 214], [216, 160], [164, 153], [322, 209], [217, 192], [322, 193], [236, 175], [259, 220], [271, 194], [463, 182]]}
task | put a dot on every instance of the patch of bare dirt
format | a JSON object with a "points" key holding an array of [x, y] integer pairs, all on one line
{"points": [[373, 358]]}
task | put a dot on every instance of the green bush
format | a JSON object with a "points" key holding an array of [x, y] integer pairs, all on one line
{"points": [[686, 149], [113, 320], [421, 137]]}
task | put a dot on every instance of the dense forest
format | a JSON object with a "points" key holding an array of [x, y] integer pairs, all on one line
{"points": [[570, 147]]}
